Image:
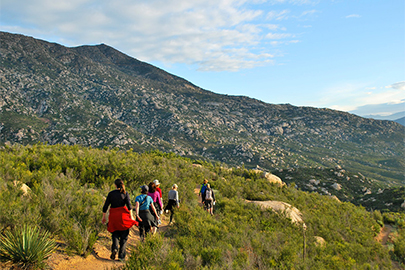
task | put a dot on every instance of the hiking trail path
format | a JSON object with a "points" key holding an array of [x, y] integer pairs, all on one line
{"points": [[99, 259]]}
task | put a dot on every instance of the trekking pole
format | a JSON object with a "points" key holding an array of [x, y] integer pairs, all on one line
{"points": [[304, 227]]}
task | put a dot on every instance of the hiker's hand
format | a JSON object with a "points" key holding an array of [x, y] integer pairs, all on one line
{"points": [[103, 220]]}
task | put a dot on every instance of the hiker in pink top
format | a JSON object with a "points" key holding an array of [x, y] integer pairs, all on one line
{"points": [[157, 202]]}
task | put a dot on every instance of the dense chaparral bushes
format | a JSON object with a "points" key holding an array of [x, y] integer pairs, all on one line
{"points": [[68, 185]]}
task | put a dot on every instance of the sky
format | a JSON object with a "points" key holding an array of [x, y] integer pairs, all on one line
{"points": [[347, 55]]}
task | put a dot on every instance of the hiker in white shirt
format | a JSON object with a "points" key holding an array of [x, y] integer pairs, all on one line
{"points": [[173, 201]]}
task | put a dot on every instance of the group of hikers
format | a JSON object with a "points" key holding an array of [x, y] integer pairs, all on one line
{"points": [[148, 210]]}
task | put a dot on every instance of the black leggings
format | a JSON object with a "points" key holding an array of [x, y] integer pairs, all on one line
{"points": [[120, 237], [170, 206]]}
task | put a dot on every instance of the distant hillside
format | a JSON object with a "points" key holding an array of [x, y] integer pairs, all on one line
{"points": [[401, 121], [346, 187], [97, 96], [396, 117]]}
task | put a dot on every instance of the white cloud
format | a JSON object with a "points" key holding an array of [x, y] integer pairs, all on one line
{"points": [[274, 27], [308, 13], [353, 16], [278, 15], [212, 34], [295, 2], [278, 35], [382, 109], [398, 85], [355, 96]]}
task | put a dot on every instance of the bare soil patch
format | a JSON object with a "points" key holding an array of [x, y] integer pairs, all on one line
{"points": [[384, 234]]}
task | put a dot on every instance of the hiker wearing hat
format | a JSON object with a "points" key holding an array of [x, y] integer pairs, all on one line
{"points": [[158, 189], [143, 203], [157, 183], [157, 202], [173, 201], [120, 218]]}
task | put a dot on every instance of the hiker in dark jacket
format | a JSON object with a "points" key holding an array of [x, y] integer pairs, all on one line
{"points": [[120, 218], [209, 199], [202, 190]]}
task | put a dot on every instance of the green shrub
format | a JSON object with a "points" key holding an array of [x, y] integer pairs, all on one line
{"points": [[79, 238], [155, 253], [26, 246], [399, 246]]}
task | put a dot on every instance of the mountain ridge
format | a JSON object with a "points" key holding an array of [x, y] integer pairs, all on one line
{"points": [[97, 96]]}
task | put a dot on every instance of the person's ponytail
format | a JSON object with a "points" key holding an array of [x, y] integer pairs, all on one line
{"points": [[120, 185]]}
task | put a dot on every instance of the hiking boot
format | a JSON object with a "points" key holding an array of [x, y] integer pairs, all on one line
{"points": [[113, 253]]}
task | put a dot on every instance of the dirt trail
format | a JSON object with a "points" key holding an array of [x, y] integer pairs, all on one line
{"points": [[382, 237], [99, 259]]}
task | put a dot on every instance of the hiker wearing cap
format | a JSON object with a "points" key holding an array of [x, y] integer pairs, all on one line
{"points": [[157, 202], [202, 190], [143, 203], [209, 199], [173, 201], [120, 218]]}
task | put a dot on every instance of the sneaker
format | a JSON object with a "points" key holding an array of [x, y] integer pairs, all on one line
{"points": [[113, 253]]}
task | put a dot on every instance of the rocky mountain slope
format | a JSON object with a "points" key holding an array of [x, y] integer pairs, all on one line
{"points": [[97, 96]]}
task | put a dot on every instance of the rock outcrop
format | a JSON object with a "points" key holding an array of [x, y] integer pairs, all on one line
{"points": [[290, 211], [274, 179]]}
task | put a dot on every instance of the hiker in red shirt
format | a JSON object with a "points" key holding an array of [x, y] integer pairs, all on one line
{"points": [[120, 219]]}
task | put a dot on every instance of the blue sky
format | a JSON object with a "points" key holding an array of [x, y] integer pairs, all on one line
{"points": [[347, 55]]}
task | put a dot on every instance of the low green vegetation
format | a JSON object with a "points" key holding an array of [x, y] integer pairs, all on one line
{"points": [[67, 186], [26, 246]]}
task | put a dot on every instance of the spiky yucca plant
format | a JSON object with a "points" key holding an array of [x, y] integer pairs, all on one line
{"points": [[26, 246]]}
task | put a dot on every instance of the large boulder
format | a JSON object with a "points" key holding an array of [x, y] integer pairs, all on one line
{"points": [[319, 241], [24, 188], [337, 186], [274, 179], [281, 207]]}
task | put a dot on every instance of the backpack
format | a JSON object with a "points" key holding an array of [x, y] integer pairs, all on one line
{"points": [[208, 194]]}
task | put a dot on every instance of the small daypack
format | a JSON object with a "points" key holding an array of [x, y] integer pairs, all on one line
{"points": [[208, 194]]}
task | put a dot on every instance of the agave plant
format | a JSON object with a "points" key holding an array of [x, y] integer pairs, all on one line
{"points": [[26, 246]]}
